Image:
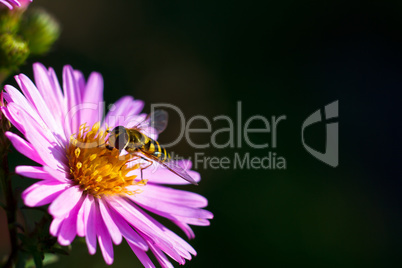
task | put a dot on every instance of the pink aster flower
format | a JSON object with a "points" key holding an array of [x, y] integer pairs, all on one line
{"points": [[15, 3], [94, 192]]}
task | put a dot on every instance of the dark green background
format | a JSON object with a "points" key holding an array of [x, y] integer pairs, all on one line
{"points": [[279, 58]]}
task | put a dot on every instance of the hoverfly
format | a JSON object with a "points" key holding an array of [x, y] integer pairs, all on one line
{"points": [[135, 142]]}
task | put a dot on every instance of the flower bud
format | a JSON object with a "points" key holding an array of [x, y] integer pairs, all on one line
{"points": [[9, 21], [13, 51], [40, 30]]}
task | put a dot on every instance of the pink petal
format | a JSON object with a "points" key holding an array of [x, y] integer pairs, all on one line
{"points": [[13, 120], [81, 220], [158, 236], [55, 85], [90, 226], [179, 197], [182, 245], [174, 209], [15, 96], [137, 107], [24, 147], [135, 120], [42, 193], [124, 109], [79, 77], [48, 149], [105, 242], [142, 222], [36, 100], [14, 114], [110, 225], [68, 229], [142, 256], [33, 172], [129, 233], [192, 221], [72, 97], [94, 97], [58, 174], [51, 94], [7, 4], [179, 245], [186, 164], [162, 259], [55, 226], [135, 218], [186, 229], [65, 202]]}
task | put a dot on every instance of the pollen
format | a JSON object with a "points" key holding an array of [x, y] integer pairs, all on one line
{"points": [[96, 169]]}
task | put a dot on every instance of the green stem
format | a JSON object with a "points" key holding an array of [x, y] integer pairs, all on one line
{"points": [[11, 208]]}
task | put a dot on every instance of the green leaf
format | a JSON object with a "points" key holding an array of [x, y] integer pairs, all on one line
{"points": [[50, 258], [22, 259], [30, 264], [38, 260]]}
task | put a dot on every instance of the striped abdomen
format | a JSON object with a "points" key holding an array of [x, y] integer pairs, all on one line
{"points": [[153, 148]]}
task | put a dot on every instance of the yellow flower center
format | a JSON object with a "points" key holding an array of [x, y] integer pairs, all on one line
{"points": [[97, 170]]}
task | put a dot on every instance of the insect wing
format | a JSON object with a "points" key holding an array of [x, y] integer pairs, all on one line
{"points": [[159, 120], [155, 122], [179, 171], [171, 165]]}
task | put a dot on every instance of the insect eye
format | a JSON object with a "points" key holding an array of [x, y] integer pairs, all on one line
{"points": [[119, 130], [120, 138]]}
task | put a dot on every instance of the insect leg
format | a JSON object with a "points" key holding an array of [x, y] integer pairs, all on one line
{"points": [[132, 159], [149, 164]]}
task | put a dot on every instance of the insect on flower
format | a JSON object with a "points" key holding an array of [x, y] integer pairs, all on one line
{"points": [[135, 142], [92, 191]]}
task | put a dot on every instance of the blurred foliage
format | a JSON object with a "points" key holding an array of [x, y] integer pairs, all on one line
{"points": [[13, 51], [24, 33], [38, 247], [40, 30]]}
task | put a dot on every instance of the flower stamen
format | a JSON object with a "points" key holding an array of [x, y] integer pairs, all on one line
{"points": [[97, 170]]}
